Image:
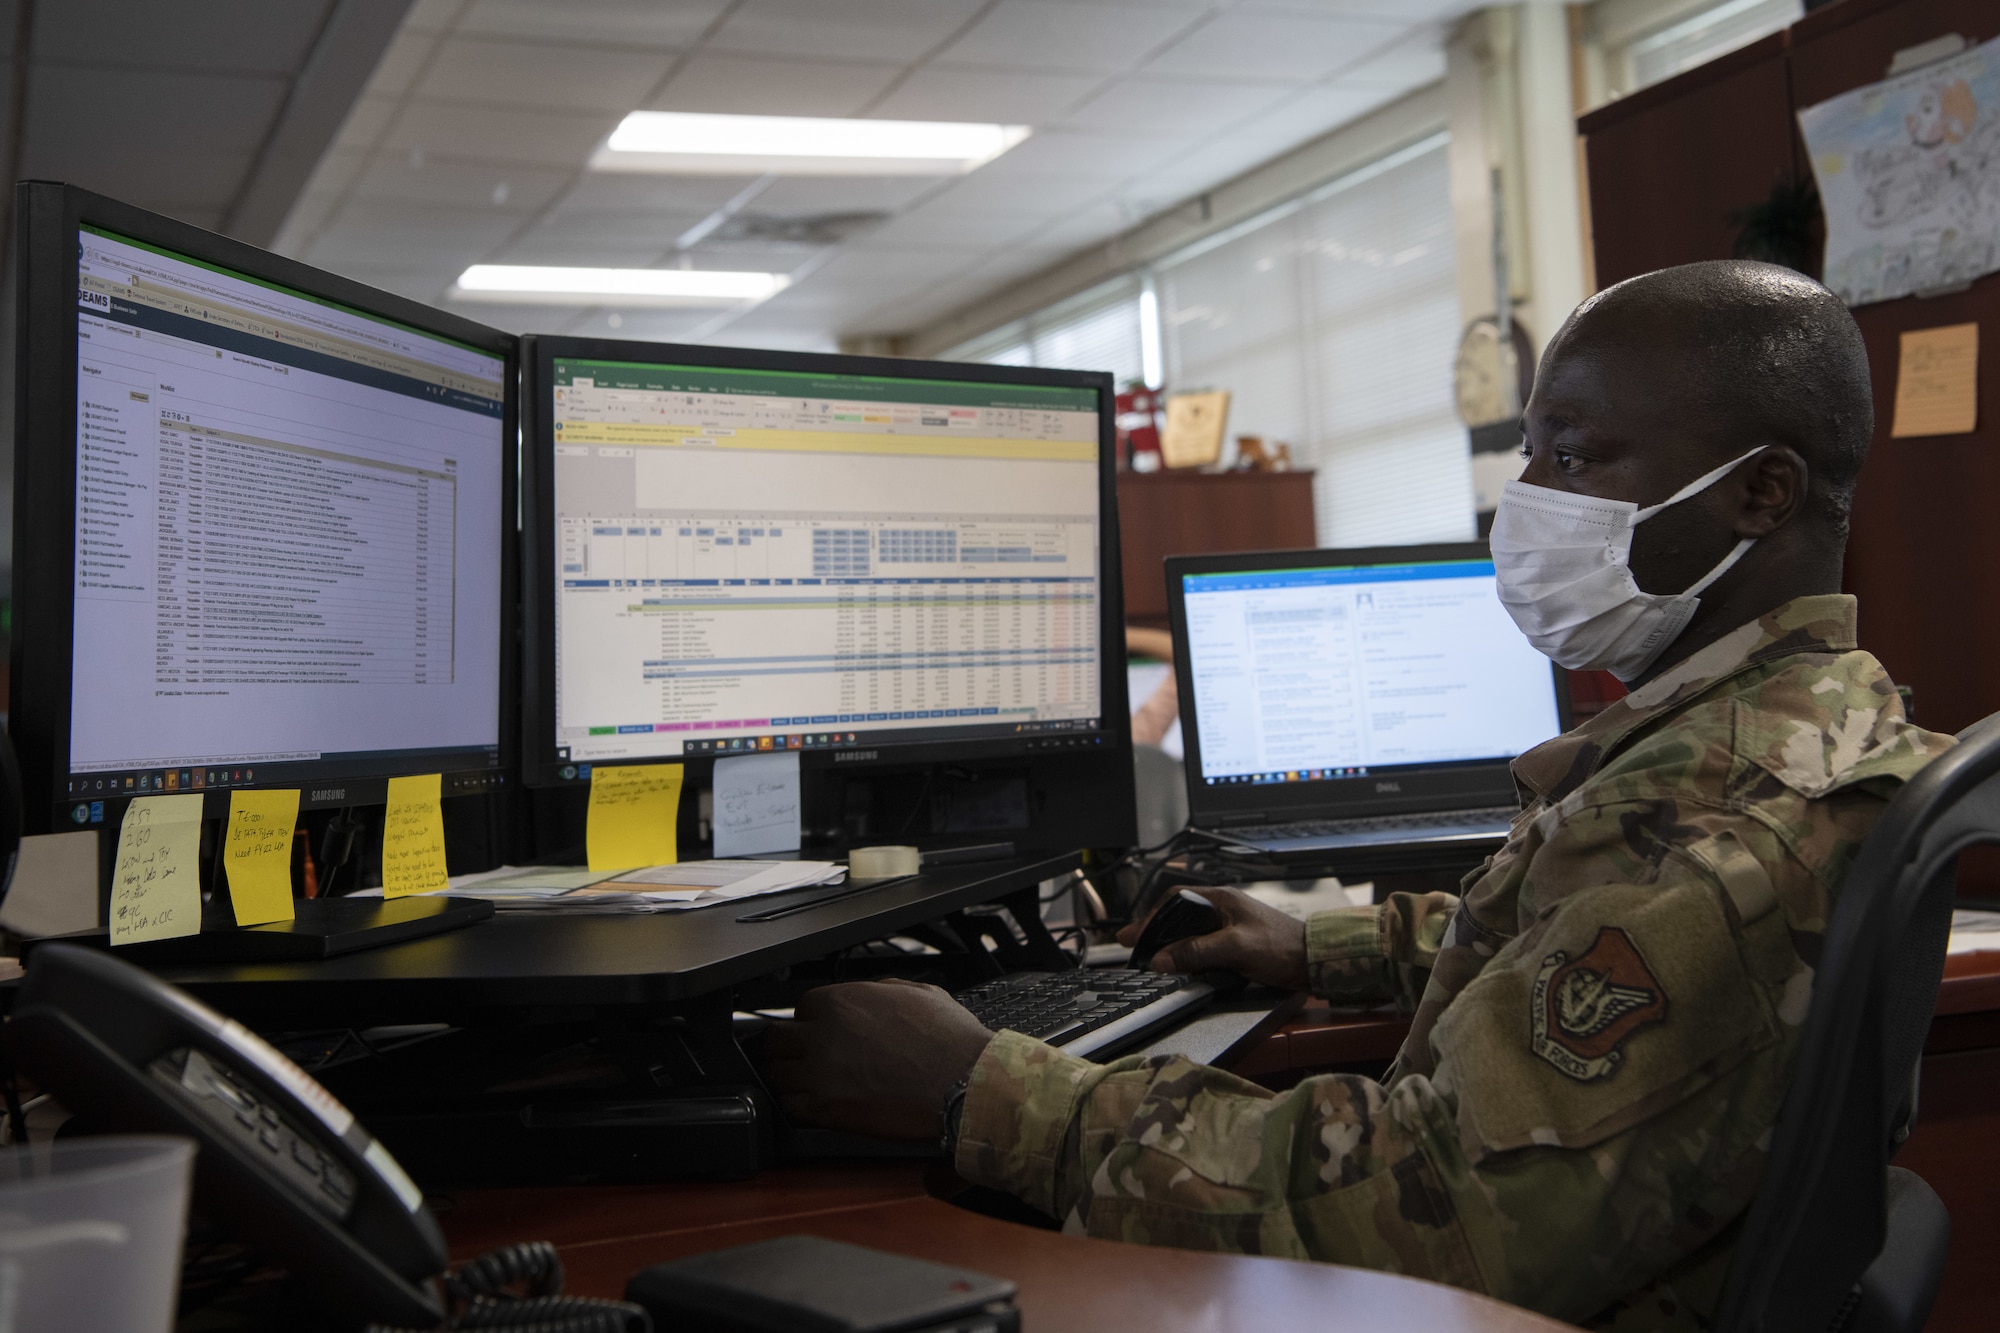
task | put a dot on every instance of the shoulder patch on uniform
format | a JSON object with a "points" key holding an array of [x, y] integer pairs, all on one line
{"points": [[1584, 1008]]}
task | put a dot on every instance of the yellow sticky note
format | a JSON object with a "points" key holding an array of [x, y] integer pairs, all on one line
{"points": [[257, 855], [156, 883], [632, 815], [413, 837], [1937, 382]]}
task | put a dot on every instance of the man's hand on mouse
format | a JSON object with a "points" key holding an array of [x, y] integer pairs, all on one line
{"points": [[1256, 940], [873, 1057]]}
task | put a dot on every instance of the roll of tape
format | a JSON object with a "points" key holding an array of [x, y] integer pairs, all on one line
{"points": [[883, 862]]}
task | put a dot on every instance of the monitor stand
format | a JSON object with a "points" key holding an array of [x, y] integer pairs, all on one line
{"points": [[322, 928]]}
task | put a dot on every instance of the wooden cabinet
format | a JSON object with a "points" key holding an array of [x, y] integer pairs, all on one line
{"points": [[1667, 168], [1670, 164], [1196, 513]]}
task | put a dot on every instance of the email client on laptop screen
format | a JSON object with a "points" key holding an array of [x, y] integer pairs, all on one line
{"points": [[1379, 682]]}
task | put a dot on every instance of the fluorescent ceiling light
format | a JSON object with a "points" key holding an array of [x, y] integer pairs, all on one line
{"points": [[522, 284], [687, 143]]}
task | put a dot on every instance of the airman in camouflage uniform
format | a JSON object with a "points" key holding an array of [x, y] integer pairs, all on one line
{"points": [[1605, 1020]]}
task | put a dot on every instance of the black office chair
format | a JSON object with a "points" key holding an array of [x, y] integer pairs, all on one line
{"points": [[1837, 1239]]}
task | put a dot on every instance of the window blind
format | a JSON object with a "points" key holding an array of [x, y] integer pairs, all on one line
{"points": [[1333, 323], [1097, 330]]}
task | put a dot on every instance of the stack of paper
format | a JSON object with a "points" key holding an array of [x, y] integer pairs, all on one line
{"points": [[1974, 932], [671, 888]]}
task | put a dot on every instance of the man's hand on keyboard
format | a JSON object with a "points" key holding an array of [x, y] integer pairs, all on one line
{"points": [[873, 1057], [1258, 942]]}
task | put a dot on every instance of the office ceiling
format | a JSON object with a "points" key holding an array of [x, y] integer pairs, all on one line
{"points": [[214, 112], [470, 143]]}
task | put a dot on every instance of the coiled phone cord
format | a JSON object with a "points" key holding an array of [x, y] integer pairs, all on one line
{"points": [[480, 1298]]}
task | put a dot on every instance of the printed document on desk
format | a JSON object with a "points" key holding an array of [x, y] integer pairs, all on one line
{"points": [[673, 888]]}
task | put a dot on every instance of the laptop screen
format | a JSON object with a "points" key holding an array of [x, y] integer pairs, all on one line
{"points": [[1340, 671]]}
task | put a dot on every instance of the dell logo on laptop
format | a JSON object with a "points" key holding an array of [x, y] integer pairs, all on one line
{"points": [[1385, 788]]}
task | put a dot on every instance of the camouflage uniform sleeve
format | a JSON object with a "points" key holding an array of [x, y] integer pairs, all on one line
{"points": [[1383, 952], [1590, 1122]]}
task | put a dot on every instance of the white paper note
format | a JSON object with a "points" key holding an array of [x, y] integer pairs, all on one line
{"points": [[757, 804]]}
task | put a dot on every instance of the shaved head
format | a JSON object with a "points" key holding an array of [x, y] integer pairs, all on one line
{"points": [[1751, 354]]}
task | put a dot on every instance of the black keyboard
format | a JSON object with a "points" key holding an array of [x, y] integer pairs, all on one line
{"points": [[1416, 823], [1087, 1011]]}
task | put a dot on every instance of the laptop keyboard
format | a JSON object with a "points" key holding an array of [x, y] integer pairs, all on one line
{"points": [[1066, 1008], [1416, 823]]}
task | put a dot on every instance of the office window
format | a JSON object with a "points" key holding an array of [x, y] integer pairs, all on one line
{"points": [[1097, 330], [1333, 322], [1633, 44]]}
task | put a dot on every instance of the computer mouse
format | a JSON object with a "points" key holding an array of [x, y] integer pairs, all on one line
{"points": [[1180, 917]]}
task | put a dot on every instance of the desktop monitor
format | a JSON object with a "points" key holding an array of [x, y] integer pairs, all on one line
{"points": [[905, 571], [264, 523]]}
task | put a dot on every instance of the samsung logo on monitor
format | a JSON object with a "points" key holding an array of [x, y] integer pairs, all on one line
{"points": [[853, 756], [327, 794]]}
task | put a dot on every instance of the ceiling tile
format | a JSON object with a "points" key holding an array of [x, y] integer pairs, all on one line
{"points": [[499, 134], [513, 318], [390, 233], [417, 283], [1048, 196], [504, 189], [858, 268], [542, 74], [1009, 97], [432, 15], [1272, 46], [622, 237], [861, 29], [1405, 11], [1166, 106], [1411, 63], [236, 36], [337, 171], [640, 325], [620, 192], [1062, 152], [1085, 227], [401, 62], [795, 195], [747, 85], [933, 231], [157, 140], [1067, 35], [651, 23], [365, 123]]}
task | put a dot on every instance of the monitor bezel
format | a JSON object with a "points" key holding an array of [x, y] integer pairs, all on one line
{"points": [[1409, 789], [48, 217], [540, 765]]}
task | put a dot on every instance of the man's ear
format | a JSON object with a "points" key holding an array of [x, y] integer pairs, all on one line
{"points": [[1774, 490]]}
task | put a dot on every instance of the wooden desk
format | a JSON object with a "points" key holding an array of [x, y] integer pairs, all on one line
{"points": [[607, 1234]]}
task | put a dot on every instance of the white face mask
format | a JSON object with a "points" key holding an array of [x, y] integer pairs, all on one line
{"points": [[1562, 562]]}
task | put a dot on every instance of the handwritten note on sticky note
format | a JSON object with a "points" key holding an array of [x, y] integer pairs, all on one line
{"points": [[257, 855], [156, 882], [413, 837], [757, 804], [632, 814], [1937, 382]]}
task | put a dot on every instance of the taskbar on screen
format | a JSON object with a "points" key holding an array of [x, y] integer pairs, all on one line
{"points": [[1066, 734]]}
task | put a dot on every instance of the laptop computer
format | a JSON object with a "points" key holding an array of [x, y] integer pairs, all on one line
{"points": [[1344, 701]]}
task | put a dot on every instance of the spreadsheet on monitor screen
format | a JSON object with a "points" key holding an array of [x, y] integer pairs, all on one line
{"points": [[742, 553]]}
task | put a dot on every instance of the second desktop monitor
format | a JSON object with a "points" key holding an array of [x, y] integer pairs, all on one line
{"points": [[799, 555]]}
